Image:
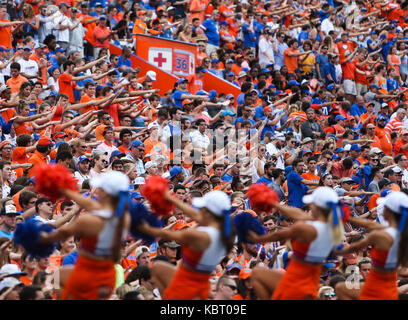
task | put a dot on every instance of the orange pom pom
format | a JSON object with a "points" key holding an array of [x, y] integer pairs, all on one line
{"points": [[154, 191], [261, 197], [49, 179]]}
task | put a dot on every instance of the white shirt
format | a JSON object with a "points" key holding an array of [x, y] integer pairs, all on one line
{"points": [[200, 140], [107, 148], [327, 26], [76, 36], [272, 150], [29, 67], [265, 47], [81, 177], [41, 219], [62, 35]]}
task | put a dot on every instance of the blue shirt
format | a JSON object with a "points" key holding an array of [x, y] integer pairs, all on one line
{"points": [[6, 234], [329, 69], [249, 36], [126, 63], [176, 97], [265, 180], [212, 31], [296, 190], [259, 115], [226, 177], [356, 110], [241, 119], [392, 84], [70, 259], [317, 100], [322, 60], [302, 35]]}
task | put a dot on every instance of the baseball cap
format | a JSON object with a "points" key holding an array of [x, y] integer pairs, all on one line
{"points": [[355, 147], [200, 69], [231, 74], [330, 87], [384, 105], [215, 201], [321, 197], [181, 80], [339, 117], [98, 4], [102, 17], [140, 250], [27, 48], [375, 150], [9, 282], [136, 143], [233, 266], [11, 269], [229, 61], [83, 158], [111, 182], [293, 83], [396, 169], [228, 113], [149, 164], [39, 46], [151, 125], [117, 153], [170, 8], [60, 50], [306, 152], [98, 151], [339, 150], [375, 86], [347, 147], [245, 273], [167, 243], [44, 141], [151, 74], [280, 136], [384, 182], [242, 74], [230, 96], [175, 171], [64, 4], [186, 101], [346, 180], [215, 60], [307, 140]]}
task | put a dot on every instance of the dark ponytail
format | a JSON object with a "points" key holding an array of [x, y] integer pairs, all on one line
{"points": [[403, 242]]}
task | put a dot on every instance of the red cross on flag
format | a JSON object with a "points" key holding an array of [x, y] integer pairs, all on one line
{"points": [[161, 58]]}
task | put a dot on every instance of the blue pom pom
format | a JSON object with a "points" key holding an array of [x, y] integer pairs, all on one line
{"points": [[27, 235], [140, 214], [245, 222]]}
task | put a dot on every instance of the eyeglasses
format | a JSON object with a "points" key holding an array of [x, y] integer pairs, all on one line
{"points": [[104, 161], [106, 118], [49, 204], [84, 147], [232, 287], [374, 160]]}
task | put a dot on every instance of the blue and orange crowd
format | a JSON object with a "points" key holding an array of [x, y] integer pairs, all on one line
{"points": [[323, 103]]}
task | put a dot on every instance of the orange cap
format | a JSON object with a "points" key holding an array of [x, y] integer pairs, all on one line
{"points": [[245, 273], [180, 224]]}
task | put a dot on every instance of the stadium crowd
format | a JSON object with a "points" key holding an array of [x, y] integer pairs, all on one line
{"points": [[323, 103]]}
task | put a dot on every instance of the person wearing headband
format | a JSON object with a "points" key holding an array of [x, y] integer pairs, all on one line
{"points": [[203, 247], [313, 238], [101, 231], [389, 249]]}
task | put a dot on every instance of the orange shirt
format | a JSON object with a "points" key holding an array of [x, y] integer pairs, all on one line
{"points": [[66, 86], [16, 199], [24, 127], [100, 32], [87, 98], [397, 147], [89, 29], [98, 132], [15, 83], [137, 29], [385, 140], [5, 36], [19, 155], [194, 83], [290, 62], [197, 5], [310, 176], [36, 159]]}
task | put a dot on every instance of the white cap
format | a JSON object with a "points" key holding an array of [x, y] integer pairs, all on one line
{"points": [[347, 147], [140, 180], [321, 197], [141, 250], [396, 169], [151, 74], [9, 282], [280, 136], [11, 269], [215, 201], [394, 201], [375, 150], [112, 182], [151, 125], [149, 164]]}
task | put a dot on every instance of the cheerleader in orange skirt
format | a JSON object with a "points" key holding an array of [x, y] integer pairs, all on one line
{"points": [[389, 249], [313, 238], [203, 247], [100, 230]]}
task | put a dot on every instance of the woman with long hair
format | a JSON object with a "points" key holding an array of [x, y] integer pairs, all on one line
{"points": [[389, 250], [203, 247], [101, 231], [313, 238]]}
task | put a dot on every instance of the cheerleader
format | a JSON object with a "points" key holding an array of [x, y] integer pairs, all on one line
{"points": [[203, 247], [100, 230], [389, 249], [313, 238]]}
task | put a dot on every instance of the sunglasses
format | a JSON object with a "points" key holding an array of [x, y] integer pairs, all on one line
{"points": [[329, 294], [231, 286]]}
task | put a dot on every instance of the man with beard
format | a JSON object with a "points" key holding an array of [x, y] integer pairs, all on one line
{"points": [[311, 128], [267, 178], [275, 148], [250, 251], [383, 135], [8, 221], [298, 186], [278, 176]]}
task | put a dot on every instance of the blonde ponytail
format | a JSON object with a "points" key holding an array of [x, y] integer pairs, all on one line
{"points": [[338, 230]]}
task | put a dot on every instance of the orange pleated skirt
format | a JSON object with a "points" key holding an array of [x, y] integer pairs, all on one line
{"points": [[380, 286], [90, 280], [300, 282], [188, 285]]}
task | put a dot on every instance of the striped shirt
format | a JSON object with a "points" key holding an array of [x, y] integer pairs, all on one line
{"points": [[394, 125]]}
